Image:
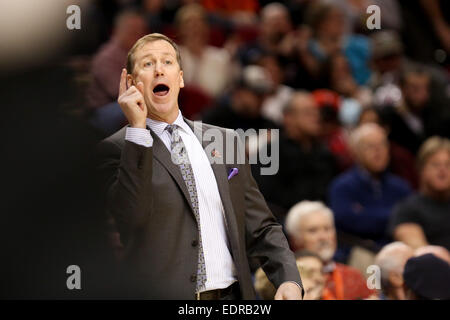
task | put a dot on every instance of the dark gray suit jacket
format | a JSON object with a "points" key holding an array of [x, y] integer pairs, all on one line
{"points": [[146, 195]]}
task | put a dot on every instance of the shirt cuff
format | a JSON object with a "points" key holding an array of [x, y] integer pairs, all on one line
{"points": [[139, 136]]}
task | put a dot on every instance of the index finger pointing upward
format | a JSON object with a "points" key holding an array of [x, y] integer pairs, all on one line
{"points": [[123, 82]]}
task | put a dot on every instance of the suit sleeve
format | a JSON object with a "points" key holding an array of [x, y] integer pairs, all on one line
{"points": [[265, 240], [125, 175]]}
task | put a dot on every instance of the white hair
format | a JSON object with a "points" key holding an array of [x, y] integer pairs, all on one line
{"points": [[362, 131], [392, 258], [302, 209], [274, 7]]}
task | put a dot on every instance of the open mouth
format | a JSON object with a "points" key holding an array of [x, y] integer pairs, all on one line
{"points": [[161, 90]]}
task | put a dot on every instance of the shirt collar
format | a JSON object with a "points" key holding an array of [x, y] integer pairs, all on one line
{"points": [[158, 127], [365, 175]]}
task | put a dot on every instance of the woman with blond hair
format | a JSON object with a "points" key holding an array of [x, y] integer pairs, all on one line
{"points": [[424, 218]]}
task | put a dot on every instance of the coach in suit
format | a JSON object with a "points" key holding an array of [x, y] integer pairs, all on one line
{"points": [[191, 228]]}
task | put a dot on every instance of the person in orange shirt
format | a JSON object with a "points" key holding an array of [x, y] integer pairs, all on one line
{"points": [[310, 226]]}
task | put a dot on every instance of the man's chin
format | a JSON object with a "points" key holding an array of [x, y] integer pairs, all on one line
{"points": [[162, 110]]}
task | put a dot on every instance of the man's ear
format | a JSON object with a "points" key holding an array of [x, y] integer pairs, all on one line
{"points": [[181, 79], [130, 80]]}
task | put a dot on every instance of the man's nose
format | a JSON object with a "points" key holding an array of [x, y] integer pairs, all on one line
{"points": [[324, 235], [159, 69]]}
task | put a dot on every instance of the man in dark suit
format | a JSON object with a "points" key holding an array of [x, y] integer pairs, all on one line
{"points": [[191, 228]]}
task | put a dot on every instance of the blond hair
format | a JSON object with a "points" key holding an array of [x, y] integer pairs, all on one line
{"points": [[430, 147], [143, 41]]}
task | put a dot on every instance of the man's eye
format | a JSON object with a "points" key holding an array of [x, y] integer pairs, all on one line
{"points": [[168, 62], [147, 64]]}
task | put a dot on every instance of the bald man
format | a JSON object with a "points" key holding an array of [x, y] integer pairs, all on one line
{"points": [[363, 197], [391, 260]]}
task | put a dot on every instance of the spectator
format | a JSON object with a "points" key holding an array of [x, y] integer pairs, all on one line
{"points": [[424, 217], [280, 95], [310, 226], [242, 109], [418, 116], [274, 25], [306, 165], [204, 66], [391, 260], [363, 197], [336, 75], [107, 64], [334, 135], [427, 278], [329, 37], [390, 63], [387, 61], [402, 160], [310, 267], [407, 121]]}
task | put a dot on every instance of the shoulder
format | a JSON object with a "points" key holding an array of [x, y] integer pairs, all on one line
{"points": [[117, 140], [409, 204], [398, 183], [345, 179]]}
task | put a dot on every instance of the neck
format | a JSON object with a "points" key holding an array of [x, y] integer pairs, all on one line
{"points": [[372, 174], [168, 118], [436, 195]]}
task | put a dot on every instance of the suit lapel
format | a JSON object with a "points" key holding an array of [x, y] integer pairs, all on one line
{"points": [[161, 153]]}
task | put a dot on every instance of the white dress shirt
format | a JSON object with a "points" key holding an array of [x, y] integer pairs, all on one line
{"points": [[220, 268]]}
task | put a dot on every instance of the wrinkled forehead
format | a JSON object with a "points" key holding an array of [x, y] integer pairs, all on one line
{"points": [[373, 136], [157, 48], [315, 219]]}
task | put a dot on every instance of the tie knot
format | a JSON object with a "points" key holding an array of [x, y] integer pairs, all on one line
{"points": [[172, 129]]}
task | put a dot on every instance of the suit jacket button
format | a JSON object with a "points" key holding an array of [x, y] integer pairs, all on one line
{"points": [[193, 278], [194, 243]]}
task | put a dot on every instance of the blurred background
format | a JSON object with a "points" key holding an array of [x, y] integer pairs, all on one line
{"points": [[364, 119]]}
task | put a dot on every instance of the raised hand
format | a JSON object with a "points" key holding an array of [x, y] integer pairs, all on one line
{"points": [[132, 102]]}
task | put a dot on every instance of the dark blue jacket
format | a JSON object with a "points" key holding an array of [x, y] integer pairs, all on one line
{"points": [[362, 205]]}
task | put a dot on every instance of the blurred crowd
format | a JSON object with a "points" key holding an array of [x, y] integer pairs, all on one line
{"points": [[364, 120]]}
